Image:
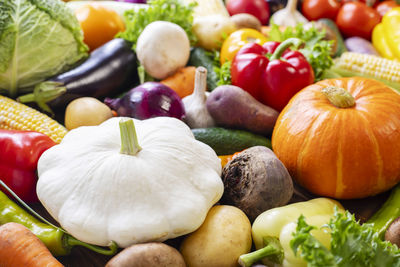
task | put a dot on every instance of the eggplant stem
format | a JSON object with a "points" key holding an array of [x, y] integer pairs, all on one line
{"points": [[43, 93]]}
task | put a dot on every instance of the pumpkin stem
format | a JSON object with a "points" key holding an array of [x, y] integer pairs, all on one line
{"points": [[339, 97], [129, 140]]}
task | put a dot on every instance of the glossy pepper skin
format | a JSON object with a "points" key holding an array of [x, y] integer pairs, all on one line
{"points": [[272, 73], [386, 35], [237, 40], [19, 154], [56, 239], [280, 223]]}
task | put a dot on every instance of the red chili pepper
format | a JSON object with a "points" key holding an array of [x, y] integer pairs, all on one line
{"points": [[19, 154], [272, 73]]}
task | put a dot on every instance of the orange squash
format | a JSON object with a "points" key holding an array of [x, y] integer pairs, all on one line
{"points": [[341, 143]]}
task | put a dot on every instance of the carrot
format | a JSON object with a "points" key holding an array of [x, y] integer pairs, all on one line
{"points": [[20, 247], [182, 81]]}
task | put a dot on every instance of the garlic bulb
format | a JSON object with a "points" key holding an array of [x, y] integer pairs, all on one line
{"points": [[197, 115], [289, 16]]}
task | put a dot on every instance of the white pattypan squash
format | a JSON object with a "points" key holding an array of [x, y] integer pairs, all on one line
{"points": [[99, 195]]}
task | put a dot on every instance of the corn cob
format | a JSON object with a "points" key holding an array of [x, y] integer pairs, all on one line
{"points": [[369, 66], [17, 116]]}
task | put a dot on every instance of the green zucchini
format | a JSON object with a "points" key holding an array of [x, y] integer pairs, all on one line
{"points": [[228, 141], [201, 57], [340, 46]]}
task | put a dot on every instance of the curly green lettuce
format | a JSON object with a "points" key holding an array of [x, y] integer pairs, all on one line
{"points": [[316, 50], [166, 10], [352, 245], [38, 39]]}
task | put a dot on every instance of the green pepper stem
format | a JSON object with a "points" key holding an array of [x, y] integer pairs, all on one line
{"points": [[272, 250], [388, 212], [129, 140], [43, 93], [296, 42], [338, 96], [70, 241]]}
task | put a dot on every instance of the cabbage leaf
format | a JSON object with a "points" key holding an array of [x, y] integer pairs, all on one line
{"points": [[38, 39]]}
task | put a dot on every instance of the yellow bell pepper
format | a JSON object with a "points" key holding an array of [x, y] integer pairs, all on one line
{"points": [[386, 35], [237, 39], [280, 223]]}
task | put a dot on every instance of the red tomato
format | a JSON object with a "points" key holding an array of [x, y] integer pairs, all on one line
{"points": [[385, 6], [317, 9], [357, 19], [257, 8], [99, 24]]}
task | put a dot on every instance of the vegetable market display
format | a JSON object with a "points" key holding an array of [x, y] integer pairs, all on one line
{"points": [[200, 133]]}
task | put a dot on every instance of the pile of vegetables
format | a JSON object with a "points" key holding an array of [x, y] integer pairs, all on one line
{"points": [[200, 133]]}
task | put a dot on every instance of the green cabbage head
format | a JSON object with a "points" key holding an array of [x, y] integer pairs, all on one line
{"points": [[38, 39]]}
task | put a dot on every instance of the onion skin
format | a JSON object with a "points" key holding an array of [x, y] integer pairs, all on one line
{"points": [[148, 100]]}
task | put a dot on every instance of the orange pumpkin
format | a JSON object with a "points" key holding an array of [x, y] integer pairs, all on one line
{"points": [[341, 143]]}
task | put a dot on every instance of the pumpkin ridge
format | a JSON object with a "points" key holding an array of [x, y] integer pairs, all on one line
{"points": [[374, 140], [307, 141], [339, 160]]}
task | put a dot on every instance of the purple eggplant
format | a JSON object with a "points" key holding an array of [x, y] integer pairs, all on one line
{"points": [[110, 70], [150, 99]]}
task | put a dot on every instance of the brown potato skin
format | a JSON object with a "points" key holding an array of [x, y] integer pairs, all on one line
{"points": [[148, 254], [232, 107]]}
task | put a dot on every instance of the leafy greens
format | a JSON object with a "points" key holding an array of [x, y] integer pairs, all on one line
{"points": [[38, 39], [166, 10], [352, 245], [316, 49]]}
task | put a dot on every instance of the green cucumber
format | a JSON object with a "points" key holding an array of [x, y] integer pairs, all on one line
{"points": [[228, 141], [201, 57], [340, 46]]}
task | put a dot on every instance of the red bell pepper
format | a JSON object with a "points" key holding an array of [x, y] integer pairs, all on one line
{"points": [[272, 73], [19, 154]]}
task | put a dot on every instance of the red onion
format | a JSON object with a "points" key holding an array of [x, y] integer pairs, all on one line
{"points": [[150, 99]]}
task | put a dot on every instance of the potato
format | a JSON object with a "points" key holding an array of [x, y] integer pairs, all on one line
{"points": [[247, 114], [148, 254], [220, 240], [86, 111]]}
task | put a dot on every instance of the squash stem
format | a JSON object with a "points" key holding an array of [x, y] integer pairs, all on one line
{"points": [[129, 140], [272, 251], [339, 97]]}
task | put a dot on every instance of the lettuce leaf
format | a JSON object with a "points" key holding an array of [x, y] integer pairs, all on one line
{"points": [[166, 10], [316, 49], [38, 39], [352, 245]]}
